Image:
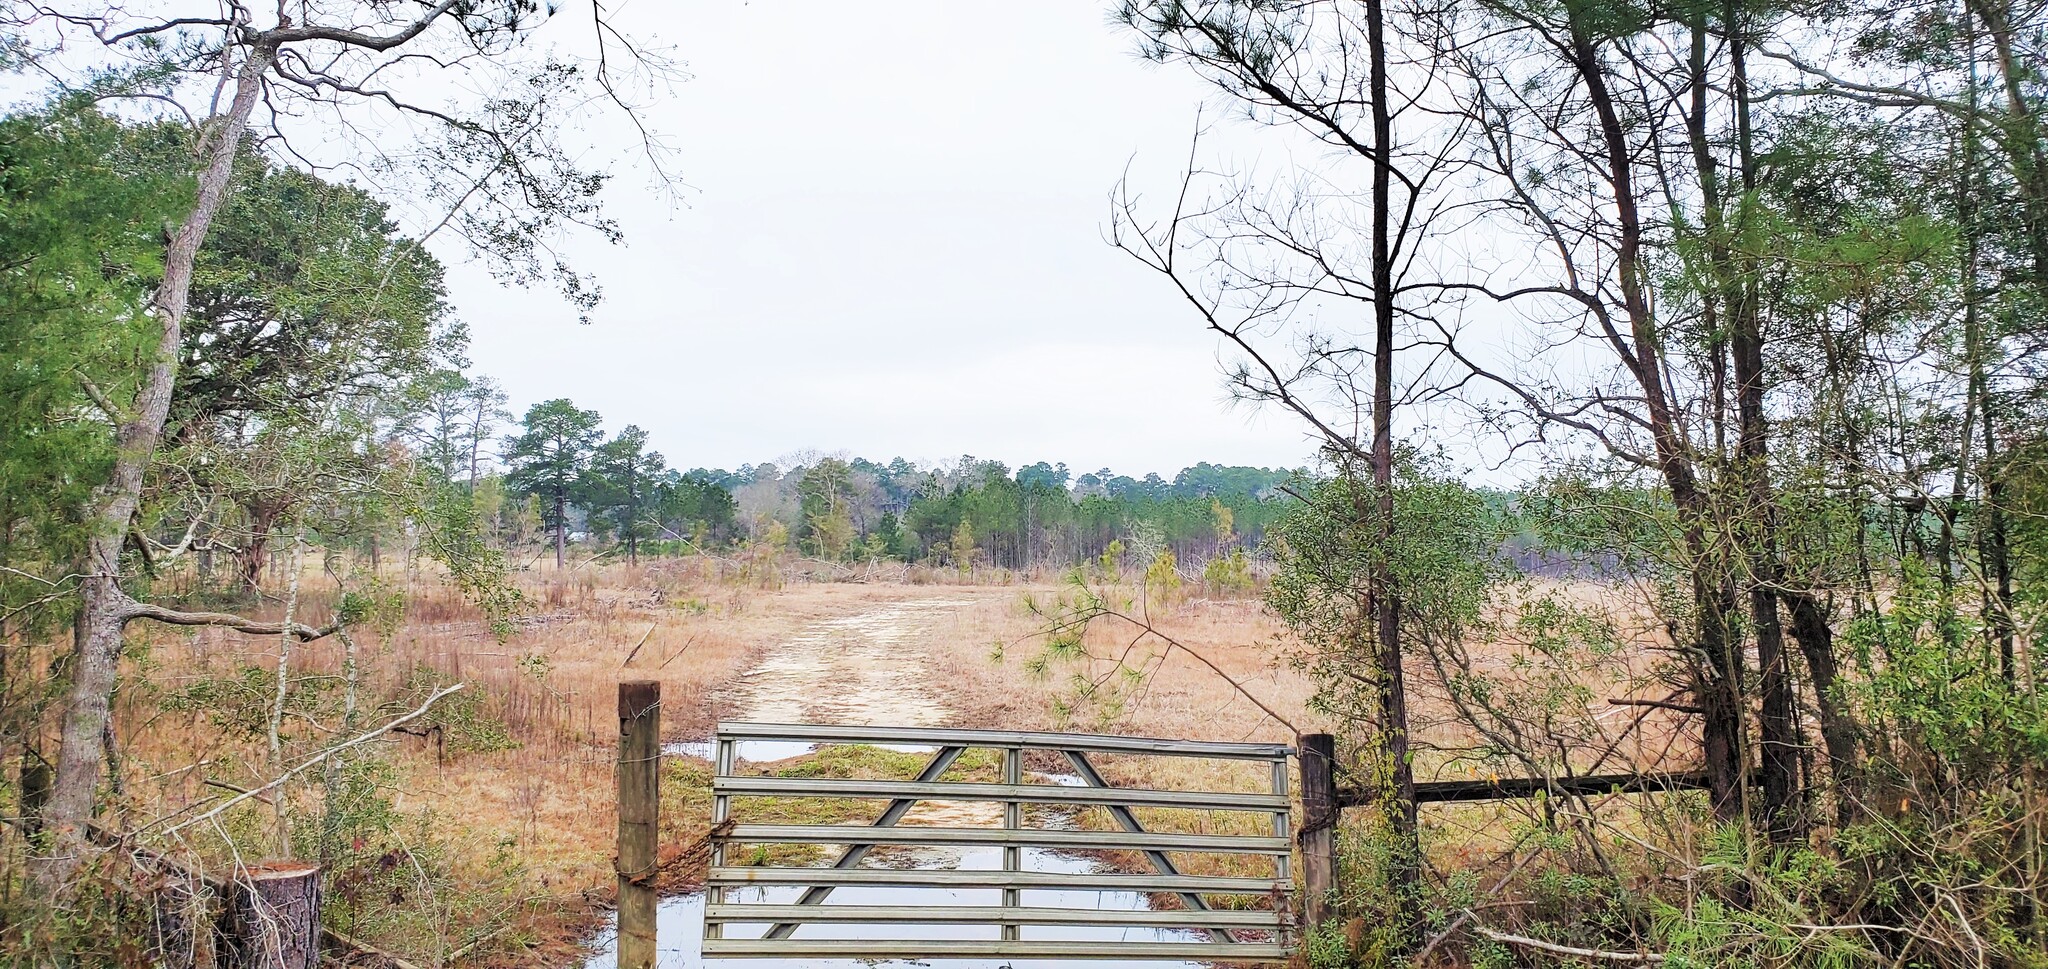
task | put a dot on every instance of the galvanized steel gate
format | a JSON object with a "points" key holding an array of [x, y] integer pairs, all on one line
{"points": [[1253, 929]]}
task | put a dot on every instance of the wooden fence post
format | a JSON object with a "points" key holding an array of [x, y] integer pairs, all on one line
{"points": [[639, 817], [1318, 835]]}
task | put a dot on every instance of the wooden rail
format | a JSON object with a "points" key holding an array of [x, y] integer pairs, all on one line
{"points": [[1494, 789], [1236, 935]]}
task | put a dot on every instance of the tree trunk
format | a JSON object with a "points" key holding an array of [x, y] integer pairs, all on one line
{"points": [[183, 917], [1778, 739], [202, 559], [1384, 593], [1837, 730], [1997, 558], [561, 524], [1717, 686], [2023, 135], [255, 554], [1717, 672], [632, 522], [103, 606]]}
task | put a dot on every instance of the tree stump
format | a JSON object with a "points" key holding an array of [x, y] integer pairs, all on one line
{"points": [[273, 918]]}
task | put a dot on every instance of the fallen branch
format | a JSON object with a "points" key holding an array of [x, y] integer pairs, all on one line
{"points": [[356, 952], [637, 646], [310, 762], [1467, 915], [232, 788], [687, 643], [304, 633], [353, 952], [1562, 950], [1658, 704]]}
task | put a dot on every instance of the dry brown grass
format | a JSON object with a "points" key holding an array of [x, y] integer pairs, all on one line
{"points": [[552, 685]]}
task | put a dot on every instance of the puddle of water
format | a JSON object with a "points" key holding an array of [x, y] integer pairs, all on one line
{"points": [[681, 919]]}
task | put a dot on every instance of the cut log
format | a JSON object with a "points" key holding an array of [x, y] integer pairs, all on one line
{"points": [[273, 918]]}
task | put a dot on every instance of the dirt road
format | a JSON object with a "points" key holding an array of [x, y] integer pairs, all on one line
{"points": [[863, 669]]}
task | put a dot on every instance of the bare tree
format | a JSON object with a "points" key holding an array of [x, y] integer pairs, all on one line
{"points": [[1262, 260]]}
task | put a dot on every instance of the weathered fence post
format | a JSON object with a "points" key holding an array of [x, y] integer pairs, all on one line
{"points": [[639, 816], [1318, 836], [273, 917]]}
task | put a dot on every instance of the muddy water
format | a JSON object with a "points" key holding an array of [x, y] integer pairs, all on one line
{"points": [[682, 919]]}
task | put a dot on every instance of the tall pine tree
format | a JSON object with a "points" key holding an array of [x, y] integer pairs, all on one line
{"points": [[548, 457]]}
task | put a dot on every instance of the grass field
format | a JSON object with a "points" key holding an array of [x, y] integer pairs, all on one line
{"points": [[512, 798]]}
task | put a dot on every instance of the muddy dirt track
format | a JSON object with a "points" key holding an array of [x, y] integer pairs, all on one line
{"points": [[864, 669]]}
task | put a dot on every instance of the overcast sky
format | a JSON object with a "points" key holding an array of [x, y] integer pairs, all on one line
{"points": [[890, 244]]}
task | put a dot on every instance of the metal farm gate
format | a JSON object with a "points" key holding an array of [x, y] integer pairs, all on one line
{"points": [[1021, 905]]}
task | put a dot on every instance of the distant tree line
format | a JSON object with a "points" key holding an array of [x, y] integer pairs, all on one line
{"points": [[978, 512], [552, 478]]}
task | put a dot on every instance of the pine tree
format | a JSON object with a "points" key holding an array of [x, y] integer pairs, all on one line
{"points": [[548, 457], [619, 487]]}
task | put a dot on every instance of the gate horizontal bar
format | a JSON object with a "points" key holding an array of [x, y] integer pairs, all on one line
{"points": [[993, 915], [936, 737], [1023, 793], [837, 834], [957, 949], [733, 876]]}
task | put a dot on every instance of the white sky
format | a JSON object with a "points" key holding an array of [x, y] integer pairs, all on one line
{"points": [[891, 244]]}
